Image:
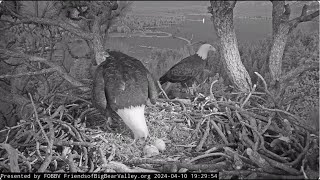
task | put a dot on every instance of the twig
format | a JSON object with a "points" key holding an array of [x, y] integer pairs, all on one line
{"points": [[270, 154], [48, 158], [26, 161], [260, 174], [58, 68], [195, 167], [118, 167], [73, 97], [58, 111], [223, 137], [302, 168], [73, 168], [85, 156], [281, 166], [207, 155], [265, 87], [163, 92], [195, 131], [72, 130], [217, 147], [211, 93], [249, 95], [13, 157], [296, 119], [301, 155], [267, 126], [68, 143], [43, 71], [246, 139], [37, 119], [215, 113], [112, 154], [6, 128], [204, 137], [255, 147], [260, 161], [57, 22], [103, 157], [230, 152], [38, 150], [180, 101], [91, 166]]}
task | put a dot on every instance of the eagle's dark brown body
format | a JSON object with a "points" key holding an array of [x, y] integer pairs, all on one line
{"points": [[121, 87], [186, 71]]}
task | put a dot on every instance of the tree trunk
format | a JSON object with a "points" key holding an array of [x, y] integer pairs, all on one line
{"points": [[98, 48], [276, 53], [98, 44], [280, 32], [222, 17], [281, 28]]}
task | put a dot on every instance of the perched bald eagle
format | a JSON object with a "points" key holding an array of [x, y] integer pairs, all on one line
{"points": [[121, 87], [188, 68]]}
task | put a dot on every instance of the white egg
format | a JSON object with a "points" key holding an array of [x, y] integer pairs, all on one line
{"points": [[150, 150], [160, 144]]}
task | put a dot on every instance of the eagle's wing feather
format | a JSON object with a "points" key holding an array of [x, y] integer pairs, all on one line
{"points": [[185, 70], [99, 95]]}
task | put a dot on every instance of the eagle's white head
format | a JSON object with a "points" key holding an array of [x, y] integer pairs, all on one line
{"points": [[204, 49]]}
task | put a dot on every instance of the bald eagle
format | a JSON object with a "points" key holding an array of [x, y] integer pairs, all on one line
{"points": [[121, 87], [188, 68]]}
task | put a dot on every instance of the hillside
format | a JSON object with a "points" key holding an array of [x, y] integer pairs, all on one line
{"points": [[242, 9]]}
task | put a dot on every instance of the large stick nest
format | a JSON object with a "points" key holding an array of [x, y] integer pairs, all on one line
{"points": [[232, 134]]}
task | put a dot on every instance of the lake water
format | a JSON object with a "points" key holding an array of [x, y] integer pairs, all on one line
{"points": [[247, 30]]}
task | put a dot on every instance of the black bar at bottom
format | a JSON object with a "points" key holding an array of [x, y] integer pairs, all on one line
{"points": [[135, 176]]}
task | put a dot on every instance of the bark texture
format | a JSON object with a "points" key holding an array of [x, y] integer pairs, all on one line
{"points": [[282, 27], [222, 18]]}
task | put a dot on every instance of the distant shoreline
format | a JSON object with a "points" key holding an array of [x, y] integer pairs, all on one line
{"points": [[142, 34]]}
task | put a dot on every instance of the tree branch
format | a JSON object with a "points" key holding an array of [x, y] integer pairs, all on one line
{"points": [[297, 71], [43, 71], [309, 17], [303, 17], [25, 107], [59, 69], [286, 14], [60, 23]]}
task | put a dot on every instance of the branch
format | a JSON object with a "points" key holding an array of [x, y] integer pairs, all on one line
{"points": [[37, 118], [295, 119], [297, 71], [60, 23], [309, 17], [287, 10], [43, 71], [59, 69], [303, 17], [17, 99], [286, 14]]}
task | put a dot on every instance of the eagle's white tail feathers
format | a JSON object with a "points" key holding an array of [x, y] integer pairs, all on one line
{"points": [[134, 118]]}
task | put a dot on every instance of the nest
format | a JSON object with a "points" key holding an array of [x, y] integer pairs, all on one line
{"points": [[234, 135]]}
